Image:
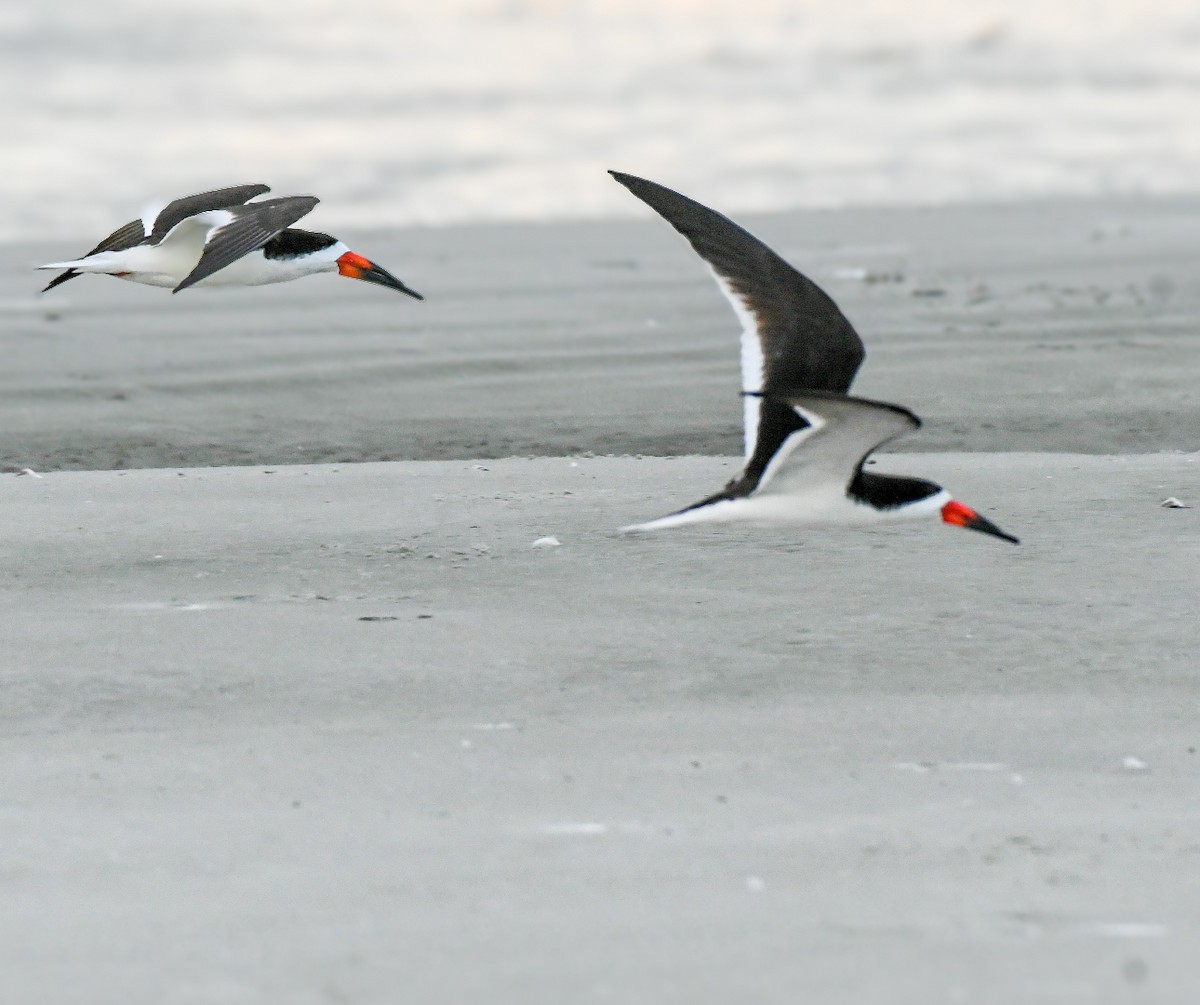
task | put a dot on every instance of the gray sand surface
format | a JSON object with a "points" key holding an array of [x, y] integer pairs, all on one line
{"points": [[341, 734], [322, 733], [1047, 326]]}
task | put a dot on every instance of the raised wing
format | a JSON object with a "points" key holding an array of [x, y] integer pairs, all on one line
{"points": [[180, 209], [840, 434], [163, 220], [239, 230], [793, 334]]}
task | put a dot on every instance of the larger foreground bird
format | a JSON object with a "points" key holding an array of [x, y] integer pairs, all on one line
{"points": [[229, 237], [806, 439]]}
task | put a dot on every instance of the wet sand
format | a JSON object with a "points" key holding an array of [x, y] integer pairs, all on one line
{"points": [[340, 732]]}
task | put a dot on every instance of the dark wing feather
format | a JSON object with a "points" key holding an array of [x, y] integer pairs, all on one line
{"points": [[805, 339], [179, 210], [777, 420], [252, 226]]}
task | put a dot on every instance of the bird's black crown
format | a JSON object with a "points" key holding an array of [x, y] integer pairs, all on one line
{"points": [[889, 491], [292, 243]]}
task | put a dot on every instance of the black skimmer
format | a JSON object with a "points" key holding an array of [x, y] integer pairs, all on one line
{"points": [[806, 439], [229, 237]]}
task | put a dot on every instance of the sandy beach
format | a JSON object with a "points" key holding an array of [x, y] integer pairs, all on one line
{"points": [[298, 712]]}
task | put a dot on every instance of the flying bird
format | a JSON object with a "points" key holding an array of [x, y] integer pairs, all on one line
{"points": [[806, 439], [228, 237]]}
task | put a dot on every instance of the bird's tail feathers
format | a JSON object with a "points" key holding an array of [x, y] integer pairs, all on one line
{"points": [[93, 263]]}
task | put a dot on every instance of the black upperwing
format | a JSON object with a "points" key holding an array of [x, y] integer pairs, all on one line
{"points": [[794, 335], [804, 340], [135, 232]]}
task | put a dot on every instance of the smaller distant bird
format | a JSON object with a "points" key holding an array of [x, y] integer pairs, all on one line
{"points": [[807, 440], [228, 237]]}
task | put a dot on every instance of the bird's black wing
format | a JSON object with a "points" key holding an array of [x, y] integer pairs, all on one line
{"points": [[795, 335], [180, 209], [249, 228]]}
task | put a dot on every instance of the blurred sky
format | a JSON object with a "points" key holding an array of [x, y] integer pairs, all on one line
{"points": [[403, 113]]}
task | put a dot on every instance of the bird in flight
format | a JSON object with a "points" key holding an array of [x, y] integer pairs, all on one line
{"points": [[806, 438], [228, 237]]}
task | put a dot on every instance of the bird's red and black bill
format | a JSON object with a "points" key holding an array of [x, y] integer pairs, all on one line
{"points": [[958, 515], [356, 267]]}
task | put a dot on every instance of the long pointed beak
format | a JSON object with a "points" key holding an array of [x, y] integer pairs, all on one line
{"points": [[356, 267], [958, 515]]}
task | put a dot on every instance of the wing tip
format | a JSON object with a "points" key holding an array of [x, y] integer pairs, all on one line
{"points": [[642, 188], [631, 181]]}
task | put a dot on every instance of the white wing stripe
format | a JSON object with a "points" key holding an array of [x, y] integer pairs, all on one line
{"points": [[150, 215], [751, 410], [753, 365], [210, 222], [752, 356], [217, 220]]}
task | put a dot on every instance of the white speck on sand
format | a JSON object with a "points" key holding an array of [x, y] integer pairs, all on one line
{"points": [[924, 767], [585, 828], [1129, 929], [167, 605]]}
